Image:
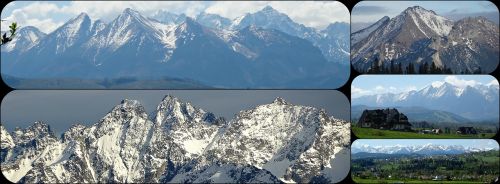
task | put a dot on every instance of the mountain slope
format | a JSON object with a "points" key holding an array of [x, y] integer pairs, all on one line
{"points": [[419, 36], [361, 34], [332, 41], [213, 21], [24, 39], [183, 143]]}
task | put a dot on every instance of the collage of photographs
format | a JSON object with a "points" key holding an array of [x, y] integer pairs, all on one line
{"points": [[250, 92]]}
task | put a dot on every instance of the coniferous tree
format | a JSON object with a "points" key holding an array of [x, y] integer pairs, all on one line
{"points": [[433, 69], [426, 68], [392, 69], [400, 68], [411, 69]]}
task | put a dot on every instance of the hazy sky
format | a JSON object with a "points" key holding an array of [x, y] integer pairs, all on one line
{"points": [[369, 12], [62, 108], [379, 84], [49, 15], [472, 143]]}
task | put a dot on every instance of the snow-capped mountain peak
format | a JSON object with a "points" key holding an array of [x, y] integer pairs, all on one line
{"points": [[6, 139], [213, 21], [276, 142], [476, 102], [418, 10], [167, 17], [35, 131], [130, 16], [363, 33], [73, 26], [280, 101], [25, 38], [428, 18], [268, 10], [127, 104]]}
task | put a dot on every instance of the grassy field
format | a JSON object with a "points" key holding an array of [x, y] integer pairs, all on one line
{"points": [[375, 133], [359, 180]]}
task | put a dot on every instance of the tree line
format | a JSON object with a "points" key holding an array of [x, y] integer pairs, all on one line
{"points": [[412, 68]]}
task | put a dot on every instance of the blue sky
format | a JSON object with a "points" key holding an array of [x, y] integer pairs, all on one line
{"points": [[49, 15], [62, 108], [366, 11], [473, 143], [379, 84]]}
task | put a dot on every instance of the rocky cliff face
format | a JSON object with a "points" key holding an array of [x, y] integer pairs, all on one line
{"points": [[272, 143], [420, 36]]}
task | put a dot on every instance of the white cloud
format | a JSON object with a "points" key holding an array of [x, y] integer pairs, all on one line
{"points": [[357, 92], [437, 83], [43, 15], [410, 88], [460, 82], [108, 10], [36, 14], [493, 82], [379, 89]]}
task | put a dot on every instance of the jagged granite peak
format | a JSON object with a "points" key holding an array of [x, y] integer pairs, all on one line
{"points": [[125, 146], [189, 25], [32, 146], [70, 35], [363, 33], [213, 20], [280, 101], [420, 37], [73, 25], [418, 9], [338, 26], [130, 11], [5, 138], [277, 138], [36, 131], [25, 38], [269, 10], [97, 27], [127, 109], [76, 131], [168, 17], [227, 173], [173, 111]]}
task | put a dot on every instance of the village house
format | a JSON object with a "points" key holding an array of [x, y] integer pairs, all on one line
{"points": [[386, 119], [466, 130]]}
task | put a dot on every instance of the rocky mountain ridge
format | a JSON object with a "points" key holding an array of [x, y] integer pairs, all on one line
{"points": [[272, 143], [419, 37]]}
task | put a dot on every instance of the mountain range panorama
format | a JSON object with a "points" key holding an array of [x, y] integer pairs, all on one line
{"points": [[478, 102], [283, 52], [427, 149], [418, 37], [271, 143]]}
